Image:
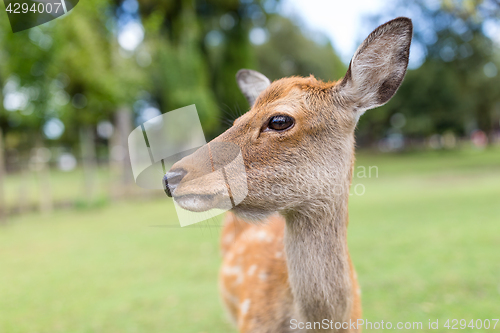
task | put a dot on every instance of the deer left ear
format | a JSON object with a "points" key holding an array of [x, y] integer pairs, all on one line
{"points": [[251, 84], [378, 66]]}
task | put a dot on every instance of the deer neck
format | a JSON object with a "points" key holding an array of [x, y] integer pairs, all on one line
{"points": [[318, 258]]}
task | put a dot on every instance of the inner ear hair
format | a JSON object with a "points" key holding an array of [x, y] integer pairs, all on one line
{"points": [[379, 65]]}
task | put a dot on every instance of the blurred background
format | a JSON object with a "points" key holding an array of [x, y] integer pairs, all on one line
{"points": [[83, 249]]}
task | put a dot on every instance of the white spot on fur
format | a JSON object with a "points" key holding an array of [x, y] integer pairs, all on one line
{"points": [[279, 254], [245, 306], [231, 270], [228, 238], [251, 270], [263, 276], [261, 235], [234, 270]]}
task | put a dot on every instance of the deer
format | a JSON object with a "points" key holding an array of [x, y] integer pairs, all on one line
{"points": [[286, 265]]}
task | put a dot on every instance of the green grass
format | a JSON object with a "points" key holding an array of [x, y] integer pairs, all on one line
{"points": [[109, 270], [424, 237]]}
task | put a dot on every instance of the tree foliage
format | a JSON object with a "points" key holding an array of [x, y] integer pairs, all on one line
{"points": [[456, 89]]}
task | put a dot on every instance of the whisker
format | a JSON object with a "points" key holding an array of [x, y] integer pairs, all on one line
{"points": [[228, 112]]}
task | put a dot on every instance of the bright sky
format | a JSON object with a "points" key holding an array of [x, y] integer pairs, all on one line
{"points": [[340, 20]]}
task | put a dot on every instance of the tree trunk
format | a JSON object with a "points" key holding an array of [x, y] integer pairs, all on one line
{"points": [[121, 170], [43, 174], [24, 186], [88, 153], [485, 121], [46, 200]]}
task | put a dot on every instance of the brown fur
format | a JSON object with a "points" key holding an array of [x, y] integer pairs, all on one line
{"points": [[259, 251]]}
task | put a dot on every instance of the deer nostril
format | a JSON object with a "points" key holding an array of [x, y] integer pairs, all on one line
{"points": [[165, 186], [172, 179]]}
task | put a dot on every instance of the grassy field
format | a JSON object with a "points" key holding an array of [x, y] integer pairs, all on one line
{"points": [[424, 237]]}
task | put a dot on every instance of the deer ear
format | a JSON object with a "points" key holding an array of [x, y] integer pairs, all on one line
{"points": [[378, 66], [251, 84]]}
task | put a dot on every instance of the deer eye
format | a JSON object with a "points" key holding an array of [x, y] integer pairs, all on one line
{"points": [[279, 123]]}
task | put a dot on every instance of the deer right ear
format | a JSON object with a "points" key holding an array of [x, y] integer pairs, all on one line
{"points": [[378, 66], [251, 84]]}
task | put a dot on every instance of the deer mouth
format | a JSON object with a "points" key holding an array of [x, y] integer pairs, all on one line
{"points": [[202, 202]]}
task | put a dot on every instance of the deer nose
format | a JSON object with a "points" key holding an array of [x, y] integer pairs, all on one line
{"points": [[172, 179]]}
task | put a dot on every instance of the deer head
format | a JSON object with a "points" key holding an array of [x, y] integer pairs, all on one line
{"points": [[297, 140]]}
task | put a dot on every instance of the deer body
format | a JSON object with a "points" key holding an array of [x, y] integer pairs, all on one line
{"points": [[254, 280], [293, 269]]}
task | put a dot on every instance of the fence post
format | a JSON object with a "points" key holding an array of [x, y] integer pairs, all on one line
{"points": [[41, 159], [3, 203], [121, 170], [88, 151]]}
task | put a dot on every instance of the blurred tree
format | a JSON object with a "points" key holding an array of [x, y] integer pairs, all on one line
{"points": [[180, 73], [252, 35], [25, 57], [199, 46], [3, 206], [62, 78], [70, 70], [457, 87], [226, 25], [290, 51], [99, 80]]}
